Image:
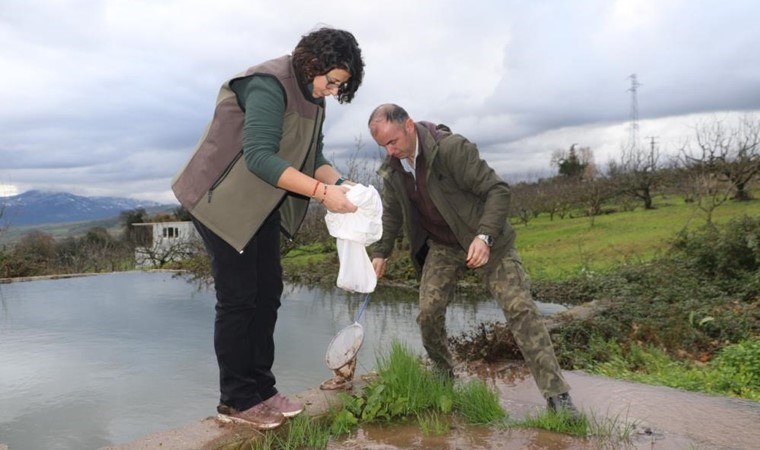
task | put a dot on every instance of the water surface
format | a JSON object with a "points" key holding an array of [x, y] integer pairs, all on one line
{"points": [[100, 360]]}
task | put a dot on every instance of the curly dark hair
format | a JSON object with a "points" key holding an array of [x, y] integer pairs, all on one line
{"points": [[326, 49]]}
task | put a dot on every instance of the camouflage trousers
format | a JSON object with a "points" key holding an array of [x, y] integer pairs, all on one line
{"points": [[508, 284]]}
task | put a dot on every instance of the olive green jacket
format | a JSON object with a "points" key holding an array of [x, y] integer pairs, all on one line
{"points": [[216, 186], [466, 191]]}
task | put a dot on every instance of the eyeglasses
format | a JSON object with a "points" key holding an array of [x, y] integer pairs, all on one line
{"points": [[333, 83]]}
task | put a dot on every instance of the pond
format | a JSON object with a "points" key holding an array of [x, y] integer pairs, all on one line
{"points": [[104, 360], [101, 360]]}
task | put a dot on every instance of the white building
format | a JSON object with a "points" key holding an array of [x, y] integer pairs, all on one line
{"points": [[169, 241]]}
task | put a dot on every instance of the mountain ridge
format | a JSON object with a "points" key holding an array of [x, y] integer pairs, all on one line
{"points": [[37, 207]]}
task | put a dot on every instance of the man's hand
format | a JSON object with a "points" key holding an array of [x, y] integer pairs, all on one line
{"points": [[379, 265], [478, 254]]}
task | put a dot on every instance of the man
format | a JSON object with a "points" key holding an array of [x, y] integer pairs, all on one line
{"points": [[453, 208]]}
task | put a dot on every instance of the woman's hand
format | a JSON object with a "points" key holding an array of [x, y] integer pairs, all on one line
{"points": [[335, 200]]}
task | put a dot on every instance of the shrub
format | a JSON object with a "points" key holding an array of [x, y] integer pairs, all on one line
{"points": [[731, 252]]}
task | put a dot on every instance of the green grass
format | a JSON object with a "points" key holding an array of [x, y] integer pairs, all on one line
{"points": [[605, 431], [478, 403], [433, 423], [564, 248], [301, 432], [405, 388], [558, 422], [735, 372], [559, 249]]}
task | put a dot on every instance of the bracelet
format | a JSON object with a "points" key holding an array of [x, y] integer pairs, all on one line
{"points": [[324, 194], [340, 181], [315, 189]]}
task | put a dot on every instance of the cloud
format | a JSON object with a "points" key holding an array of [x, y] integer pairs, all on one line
{"points": [[110, 97]]}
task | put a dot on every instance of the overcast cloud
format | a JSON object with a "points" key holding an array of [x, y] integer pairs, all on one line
{"points": [[109, 97]]}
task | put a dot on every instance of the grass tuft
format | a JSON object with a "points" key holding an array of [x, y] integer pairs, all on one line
{"points": [[478, 403], [559, 422], [433, 423]]}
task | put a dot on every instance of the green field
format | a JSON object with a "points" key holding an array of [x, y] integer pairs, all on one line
{"points": [[563, 248]]}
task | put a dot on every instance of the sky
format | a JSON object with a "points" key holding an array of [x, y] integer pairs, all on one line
{"points": [[109, 97]]}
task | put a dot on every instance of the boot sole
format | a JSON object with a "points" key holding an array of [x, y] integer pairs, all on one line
{"points": [[290, 414], [224, 418]]}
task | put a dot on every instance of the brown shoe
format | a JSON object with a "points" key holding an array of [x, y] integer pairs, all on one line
{"points": [[260, 416], [286, 406]]}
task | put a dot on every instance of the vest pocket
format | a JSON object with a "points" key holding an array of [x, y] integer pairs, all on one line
{"points": [[224, 174]]}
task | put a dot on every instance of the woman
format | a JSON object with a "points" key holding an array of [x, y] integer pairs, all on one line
{"points": [[241, 200]]}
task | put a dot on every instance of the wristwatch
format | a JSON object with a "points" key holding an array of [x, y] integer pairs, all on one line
{"points": [[486, 238]]}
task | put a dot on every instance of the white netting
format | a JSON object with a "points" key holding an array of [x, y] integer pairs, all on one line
{"points": [[344, 346]]}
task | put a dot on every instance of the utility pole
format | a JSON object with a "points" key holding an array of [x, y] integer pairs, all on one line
{"points": [[633, 137], [652, 142]]}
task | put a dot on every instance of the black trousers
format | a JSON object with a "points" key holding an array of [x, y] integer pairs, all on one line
{"points": [[248, 289]]}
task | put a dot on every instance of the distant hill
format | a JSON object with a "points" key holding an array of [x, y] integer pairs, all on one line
{"points": [[39, 208]]}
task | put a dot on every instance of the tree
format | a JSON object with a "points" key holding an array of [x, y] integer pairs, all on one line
{"points": [[361, 168], [96, 251], [181, 214], [637, 174], [525, 203], [161, 251], [34, 254], [729, 154], [556, 196], [135, 235], [705, 185], [573, 164], [3, 219], [593, 192]]}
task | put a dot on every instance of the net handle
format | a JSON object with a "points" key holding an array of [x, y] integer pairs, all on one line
{"points": [[362, 308]]}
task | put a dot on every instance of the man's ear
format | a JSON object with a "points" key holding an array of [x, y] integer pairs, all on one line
{"points": [[409, 125]]}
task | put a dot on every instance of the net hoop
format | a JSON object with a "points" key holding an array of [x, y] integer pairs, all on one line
{"points": [[344, 346]]}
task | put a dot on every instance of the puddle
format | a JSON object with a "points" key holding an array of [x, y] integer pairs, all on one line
{"points": [[471, 438]]}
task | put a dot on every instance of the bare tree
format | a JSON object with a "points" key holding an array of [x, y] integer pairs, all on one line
{"points": [[593, 193], [729, 154], [743, 164], [161, 251], [637, 174], [361, 168], [705, 183], [592, 190], [525, 204], [555, 197], [96, 251]]}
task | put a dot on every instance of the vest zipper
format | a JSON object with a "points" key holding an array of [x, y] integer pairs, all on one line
{"points": [[224, 174]]}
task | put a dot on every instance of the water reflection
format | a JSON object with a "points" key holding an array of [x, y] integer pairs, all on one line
{"points": [[92, 361]]}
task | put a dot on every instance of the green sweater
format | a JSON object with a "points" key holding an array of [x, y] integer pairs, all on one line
{"points": [[217, 186], [263, 101]]}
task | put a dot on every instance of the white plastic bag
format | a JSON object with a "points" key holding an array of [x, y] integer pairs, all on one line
{"points": [[353, 232]]}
